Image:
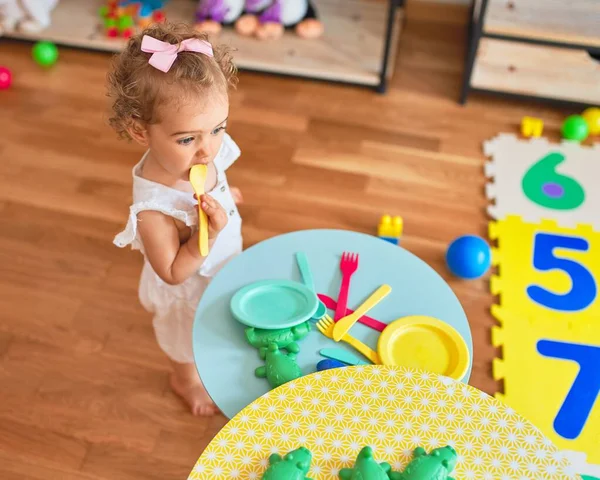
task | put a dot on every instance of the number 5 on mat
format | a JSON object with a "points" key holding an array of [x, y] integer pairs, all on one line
{"points": [[583, 289], [578, 403]]}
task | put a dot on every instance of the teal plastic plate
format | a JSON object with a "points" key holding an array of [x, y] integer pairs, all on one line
{"points": [[273, 304]]}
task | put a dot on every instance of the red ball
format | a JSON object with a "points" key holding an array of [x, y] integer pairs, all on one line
{"points": [[158, 16], [128, 33], [5, 78], [112, 32]]}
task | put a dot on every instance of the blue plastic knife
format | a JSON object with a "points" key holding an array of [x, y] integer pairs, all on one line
{"points": [[342, 356]]}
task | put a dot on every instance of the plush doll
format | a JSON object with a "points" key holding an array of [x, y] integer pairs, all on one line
{"points": [[212, 14], [268, 18], [25, 15], [10, 15]]}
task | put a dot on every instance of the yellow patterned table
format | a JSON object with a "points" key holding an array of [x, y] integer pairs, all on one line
{"points": [[337, 412]]}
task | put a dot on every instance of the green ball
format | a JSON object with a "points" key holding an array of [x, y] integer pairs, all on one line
{"points": [[110, 22], [45, 54], [575, 128]]}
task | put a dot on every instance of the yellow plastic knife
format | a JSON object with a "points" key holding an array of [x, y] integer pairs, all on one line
{"points": [[344, 324]]}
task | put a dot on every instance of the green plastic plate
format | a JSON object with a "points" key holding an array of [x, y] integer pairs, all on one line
{"points": [[273, 304]]}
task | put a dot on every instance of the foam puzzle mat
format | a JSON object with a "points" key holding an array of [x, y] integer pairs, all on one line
{"points": [[547, 236], [538, 179]]}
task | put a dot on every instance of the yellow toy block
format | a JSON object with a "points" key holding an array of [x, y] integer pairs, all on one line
{"points": [[390, 226], [551, 376], [546, 271], [532, 127]]}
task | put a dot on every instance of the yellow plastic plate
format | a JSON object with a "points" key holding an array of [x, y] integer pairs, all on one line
{"points": [[424, 342]]}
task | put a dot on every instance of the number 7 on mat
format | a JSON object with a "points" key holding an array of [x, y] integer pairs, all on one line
{"points": [[578, 403]]}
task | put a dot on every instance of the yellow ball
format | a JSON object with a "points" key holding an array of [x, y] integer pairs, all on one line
{"points": [[592, 118]]}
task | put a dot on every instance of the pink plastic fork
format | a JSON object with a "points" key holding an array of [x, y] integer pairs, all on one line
{"points": [[348, 266]]}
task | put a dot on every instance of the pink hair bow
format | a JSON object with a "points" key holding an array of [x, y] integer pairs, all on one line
{"points": [[164, 54]]}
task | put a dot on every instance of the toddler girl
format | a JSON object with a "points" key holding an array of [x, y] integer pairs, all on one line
{"points": [[169, 93]]}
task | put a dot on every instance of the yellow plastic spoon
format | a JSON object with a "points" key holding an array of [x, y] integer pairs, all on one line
{"points": [[197, 179]]}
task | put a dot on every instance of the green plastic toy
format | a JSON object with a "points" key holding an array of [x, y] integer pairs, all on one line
{"points": [[575, 128], [366, 468], [124, 22], [45, 54], [282, 337], [293, 466], [278, 368], [436, 465]]}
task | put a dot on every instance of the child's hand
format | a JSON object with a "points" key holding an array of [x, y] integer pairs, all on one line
{"points": [[237, 195], [217, 218]]}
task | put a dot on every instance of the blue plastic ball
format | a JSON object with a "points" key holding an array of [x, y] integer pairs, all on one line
{"points": [[469, 257], [328, 364]]}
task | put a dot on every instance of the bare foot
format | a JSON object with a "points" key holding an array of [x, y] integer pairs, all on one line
{"points": [[269, 30], [246, 25], [186, 383]]}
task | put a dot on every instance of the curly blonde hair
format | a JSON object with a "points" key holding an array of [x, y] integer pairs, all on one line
{"points": [[137, 89]]}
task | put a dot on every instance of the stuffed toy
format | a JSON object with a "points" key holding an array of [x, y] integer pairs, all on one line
{"points": [[268, 18], [25, 15]]}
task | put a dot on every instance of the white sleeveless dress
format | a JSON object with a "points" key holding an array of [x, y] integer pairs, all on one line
{"points": [[174, 306]]}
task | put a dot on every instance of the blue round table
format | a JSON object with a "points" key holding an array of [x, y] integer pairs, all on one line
{"points": [[226, 362]]}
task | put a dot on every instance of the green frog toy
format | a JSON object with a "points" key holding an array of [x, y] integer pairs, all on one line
{"points": [[293, 466], [278, 368], [436, 465], [284, 337], [366, 468]]}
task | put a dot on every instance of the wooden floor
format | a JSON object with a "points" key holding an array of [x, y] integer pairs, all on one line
{"points": [[83, 385]]}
